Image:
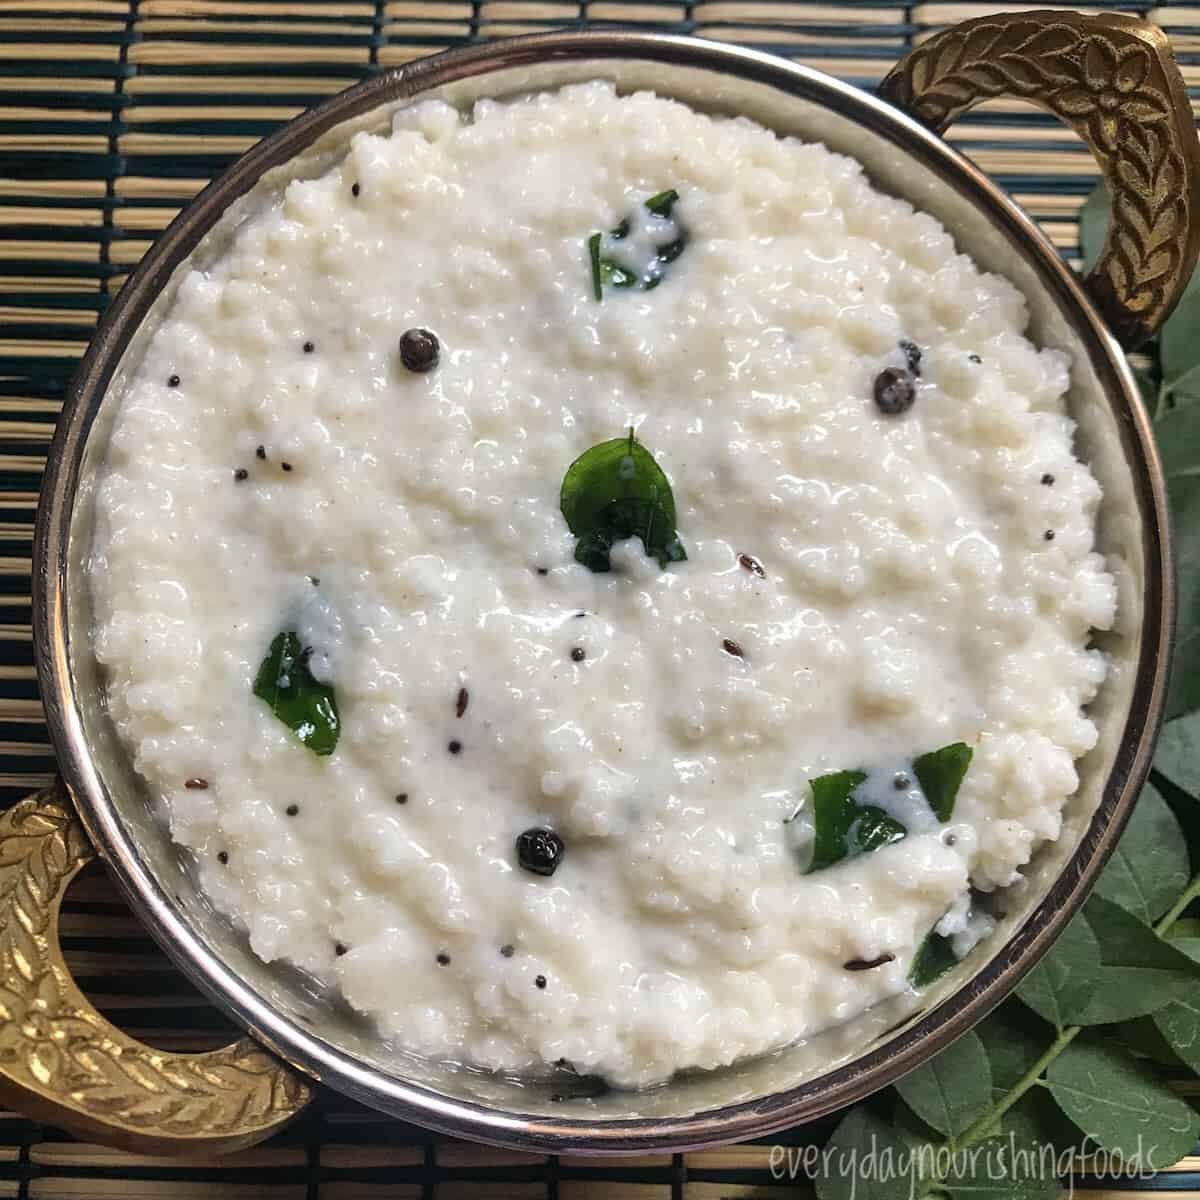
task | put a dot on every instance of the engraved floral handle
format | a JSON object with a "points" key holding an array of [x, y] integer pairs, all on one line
{"points": [[62, 1062], [1112, 78]]}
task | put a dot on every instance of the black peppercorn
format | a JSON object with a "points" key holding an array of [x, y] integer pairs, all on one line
{"points": [[540, 850], [894, 391], [578, 654], [540, 981], [419, 349]]}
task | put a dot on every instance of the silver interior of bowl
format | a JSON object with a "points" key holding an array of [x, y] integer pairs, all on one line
{"points": [[310, 1029]]}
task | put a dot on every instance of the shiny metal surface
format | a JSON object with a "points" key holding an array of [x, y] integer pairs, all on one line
{"points": [[754, 1098]]}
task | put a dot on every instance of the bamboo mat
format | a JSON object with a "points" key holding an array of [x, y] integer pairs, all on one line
{"points": [[113, 113]]}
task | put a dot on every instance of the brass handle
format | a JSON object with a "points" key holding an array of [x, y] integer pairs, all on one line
{"points": [[1113, 79], [62, 1062]]}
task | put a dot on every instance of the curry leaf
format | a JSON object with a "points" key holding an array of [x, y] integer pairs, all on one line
{"points": [[1139, 972], [866, 1159], [607, 272], [1149, 867], [940, 774], [1121, 1105], [1178, 754], [1184, 694], [615, 491], [306, 706], [952, 1088], [1060, 986], [933, 958], [845, 829]]}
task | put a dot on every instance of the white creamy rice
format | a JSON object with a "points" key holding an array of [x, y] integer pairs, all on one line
{"points": [[910, 595]]}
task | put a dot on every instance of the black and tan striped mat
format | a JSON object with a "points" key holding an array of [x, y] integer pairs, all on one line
{"points": [[114, 114]]}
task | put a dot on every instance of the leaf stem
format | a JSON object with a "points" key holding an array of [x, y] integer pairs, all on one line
{"points": [[983, 1126], [1190, 893]]}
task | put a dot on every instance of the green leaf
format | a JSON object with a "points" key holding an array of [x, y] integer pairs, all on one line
{"points": [[1011, 1047], [1002, 1168], [1179, 1024], [1177, 432], [1184, 696], [953, 1088], [308, 708], [940, 774], [933, 958], [1121, 1105], [1149, 867], [865, 1159], [1060, 986], [843, 828], [1140, 972], [606, 272], [1185, 935], [1178, 754], [615, 491], [1093, 225]]}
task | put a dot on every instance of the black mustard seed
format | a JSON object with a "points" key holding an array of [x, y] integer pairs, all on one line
{"points": [[240, 474], [455, 746], [507, 950], [355, 189], [309, 347], [443, 959], [172, 381], [1047, 480], [419, 350], [401, 797], [292, 810], [540, 981], [286, 466], [578, 654], [894, 391], [222, 857], [260, 452], [339, 949], [1049, 535]]}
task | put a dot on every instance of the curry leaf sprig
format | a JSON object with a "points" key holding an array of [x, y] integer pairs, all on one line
{"points": [[304, 704], [608, 272], [615, 491]]}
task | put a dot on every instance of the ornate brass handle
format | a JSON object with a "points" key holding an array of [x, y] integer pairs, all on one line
{"points": [[1113, 79], [61, 1061]]}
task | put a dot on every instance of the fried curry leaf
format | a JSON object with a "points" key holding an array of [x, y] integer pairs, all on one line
{"points": [[934, 957], [940, 774], [608, 273], [306, 706], [843, 828], [615, 491]]}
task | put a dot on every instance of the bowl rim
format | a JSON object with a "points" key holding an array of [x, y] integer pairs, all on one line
{"points": [[815, 1097]]}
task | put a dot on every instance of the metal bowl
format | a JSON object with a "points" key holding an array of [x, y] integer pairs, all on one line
{"points": [[903, 156]]}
